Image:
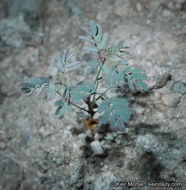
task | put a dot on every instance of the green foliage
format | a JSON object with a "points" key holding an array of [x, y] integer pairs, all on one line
{"points": [[95, 36], [103, 41], [62, 106], [135, 78], [116, 50], [51, 90], [116, 110], [34, 84], [78, 93], [130, 75], [65, 64], [109, 65], [93, 66]]}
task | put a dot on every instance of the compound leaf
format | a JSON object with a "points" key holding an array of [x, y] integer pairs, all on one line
{"points": [[33, 81], [102, 106], [112, 121], [106, 69], [121, 77], [66, 56], [38, 92], [95, 50], [124, 116], [51, 90], [58, 109], [59, 103], [98, 34], [76, 99], [93, 27], [103, 41], [84, 29], [113, 50], [61, 112], [83, 88], [106, 116], [31, 91], [120, 45], [72, 68], [93, 66], [130, 84], [119, 101], [115, 76], [86, 38], [65, 93], [75, 63], [133, 69], [91, 70], [67, 107], [139, 76], [69, 57], [91, 86], [77, 94], [123, 62], [108, 73], [142, 85]]}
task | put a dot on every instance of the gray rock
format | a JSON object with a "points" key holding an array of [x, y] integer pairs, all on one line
{"points": [[171, 100], [180, 1], [179, 87], [151, 143], [42, 131], [174, 6], [30, 9], [2, 145], [151, 47], [157, 75], [22, 6], [166, 149], [76, 175], [74, 7], [168, 13], [12, 174], [162, 79], [122, 8], [110, 137], [30, 183], [96, 148], [13, 30]]}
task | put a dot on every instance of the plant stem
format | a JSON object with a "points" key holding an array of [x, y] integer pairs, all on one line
{"points": [[97, 76], [89, 103], [102, 63], [80, 107], [90, 107], [75, 104], [99, 71], [107, 90], [92, 134]]}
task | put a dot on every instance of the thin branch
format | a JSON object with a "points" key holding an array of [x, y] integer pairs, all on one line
{"points": [[80, 107], [97, 98], [59, 93], [74, 104], [97, 76]]}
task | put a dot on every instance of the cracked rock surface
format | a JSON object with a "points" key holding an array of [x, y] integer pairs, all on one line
{"points": [[39, 151]]}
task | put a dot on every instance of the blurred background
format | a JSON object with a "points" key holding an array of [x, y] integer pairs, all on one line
{"points": [[39, 151]]}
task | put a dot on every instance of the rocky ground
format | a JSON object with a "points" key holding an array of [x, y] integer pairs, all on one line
{"points": [[39, 151]]}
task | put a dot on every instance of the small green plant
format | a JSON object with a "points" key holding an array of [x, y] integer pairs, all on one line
{"points": [[86, 95]]}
